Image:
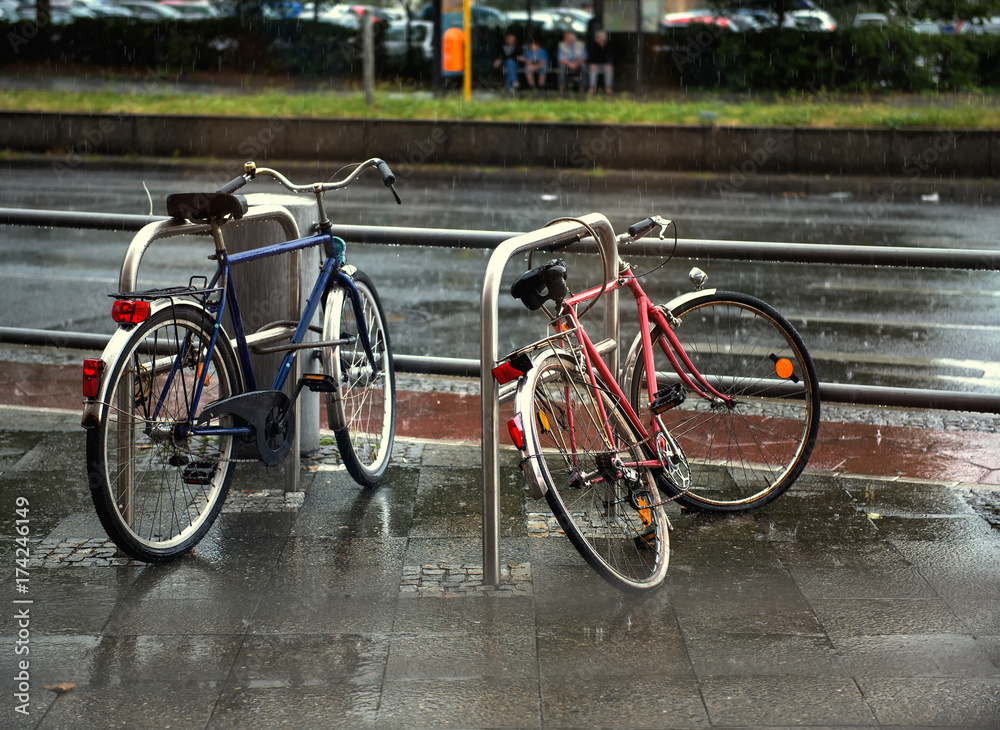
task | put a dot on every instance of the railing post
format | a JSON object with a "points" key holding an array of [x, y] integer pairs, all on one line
{"points": [[558, 234]]}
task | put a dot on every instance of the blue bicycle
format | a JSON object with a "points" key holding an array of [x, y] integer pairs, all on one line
{"points": [[174, 399]]}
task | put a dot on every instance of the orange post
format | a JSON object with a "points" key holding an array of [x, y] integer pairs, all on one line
{"points": [[452, 54]]}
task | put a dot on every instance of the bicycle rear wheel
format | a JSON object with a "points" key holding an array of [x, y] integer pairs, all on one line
{"points": [[362, 412], [594, 467], [745, 456], [156, 485]]}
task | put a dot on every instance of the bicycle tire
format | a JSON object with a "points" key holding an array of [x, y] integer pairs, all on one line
{"points": [[362, 412], [599, 491], [156, 487], [747, 456]]}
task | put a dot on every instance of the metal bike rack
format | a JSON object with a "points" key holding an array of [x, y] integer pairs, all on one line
{"points": [[559, 234], [164, 229]]}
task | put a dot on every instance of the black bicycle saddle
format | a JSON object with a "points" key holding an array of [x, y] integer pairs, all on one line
{"points": [[204, 206], [541, 284]]}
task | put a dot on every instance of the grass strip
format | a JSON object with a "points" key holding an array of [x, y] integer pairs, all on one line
{"points": [[949, 112]]}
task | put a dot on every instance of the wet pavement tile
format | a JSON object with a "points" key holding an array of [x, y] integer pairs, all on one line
{"points": [[845, 554], [891, 581], [762, 655], [964, 582], [449, 502], [152, 658], [185, 616], [897, 497], [64, 452], [943, 528], [51, 660], [335, 506], [933, 702], [466, 550], [611, 649], [617, 702], [77, 600], [710, 555], [979, 615], [792, 701], [945, 553], [501, 702], [15, 444], [915, 655], [155, 704], [463, 653], [741, 601], [990, 645], [699, 527], [325, 705], [876, 616], [487, 613], [309, 661]]}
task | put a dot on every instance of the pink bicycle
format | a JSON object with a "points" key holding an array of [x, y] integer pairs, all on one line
{"points": [[717, 408]]}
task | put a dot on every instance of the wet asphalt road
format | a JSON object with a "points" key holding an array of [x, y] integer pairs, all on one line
{"points": [[904, 328]]}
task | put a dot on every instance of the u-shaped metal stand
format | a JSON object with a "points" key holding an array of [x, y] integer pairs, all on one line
{"points": [[558, 234]]}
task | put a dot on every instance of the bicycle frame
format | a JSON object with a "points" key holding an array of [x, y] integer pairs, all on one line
{"points": [[648, 312], [331, 269]]}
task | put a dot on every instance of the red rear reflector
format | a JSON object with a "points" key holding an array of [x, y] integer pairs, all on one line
{"points": [[513, 369], [516, 432], [506, 373], [126, 311], [92, 371]]}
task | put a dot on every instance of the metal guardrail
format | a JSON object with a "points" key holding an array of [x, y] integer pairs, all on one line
{"points": [[708, 249], [507, 244]]}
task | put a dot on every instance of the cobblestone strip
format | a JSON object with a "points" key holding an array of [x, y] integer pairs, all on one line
{"points": [[70, 552], [100, 552], [443, 580], [543, 524], [262, 500]]}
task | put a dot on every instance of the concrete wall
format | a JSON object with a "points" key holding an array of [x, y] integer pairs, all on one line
{"points": [[732, 153]]}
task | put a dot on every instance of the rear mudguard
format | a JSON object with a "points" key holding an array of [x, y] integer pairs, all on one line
{"points": [[94, 411]]}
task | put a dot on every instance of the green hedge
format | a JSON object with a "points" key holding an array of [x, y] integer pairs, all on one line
{"points": [[863, 59], [259, 46]]}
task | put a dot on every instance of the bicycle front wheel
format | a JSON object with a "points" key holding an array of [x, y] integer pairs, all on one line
{"points": [[600, 486], [747, 455], [362, 410], [156, 484]]}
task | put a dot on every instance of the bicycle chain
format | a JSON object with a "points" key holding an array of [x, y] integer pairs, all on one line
{"points": [[177, 447]]}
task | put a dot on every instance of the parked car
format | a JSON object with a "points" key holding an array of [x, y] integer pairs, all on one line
{"points": [[193, 9], [149, 10], [421, 38], [730, 22], [989, 26], [762, 17], [548, 21], [870, 19], [926, 27], [481, 15], [817, 20]]}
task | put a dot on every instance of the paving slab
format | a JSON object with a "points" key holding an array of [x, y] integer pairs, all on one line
{"points": [[855, 600]]}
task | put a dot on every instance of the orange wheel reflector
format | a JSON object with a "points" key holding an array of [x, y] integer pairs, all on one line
{"points": [[644, 514], [783, 368]]}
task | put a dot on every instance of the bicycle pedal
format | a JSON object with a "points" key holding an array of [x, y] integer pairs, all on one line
{"points": [[319, 383], [667, 398], [199, 473], [646, 540]]}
